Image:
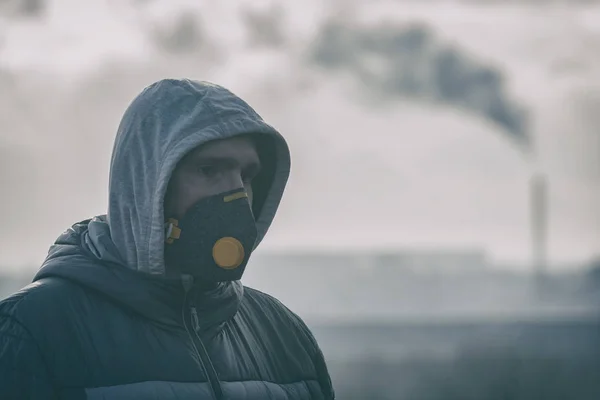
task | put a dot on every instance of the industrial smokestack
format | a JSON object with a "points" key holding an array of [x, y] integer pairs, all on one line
{"points": [[539, 224]]}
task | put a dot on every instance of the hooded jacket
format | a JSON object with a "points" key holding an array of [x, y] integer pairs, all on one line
{"points": [[101, 319]]}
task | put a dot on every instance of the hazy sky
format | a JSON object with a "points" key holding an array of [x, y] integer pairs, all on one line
{"points": [[398, 174]]}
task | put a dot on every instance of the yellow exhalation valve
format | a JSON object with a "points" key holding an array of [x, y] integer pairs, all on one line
{"points": [[228, 253]]}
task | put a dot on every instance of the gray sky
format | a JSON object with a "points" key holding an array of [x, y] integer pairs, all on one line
{"points": [[402, 174]]}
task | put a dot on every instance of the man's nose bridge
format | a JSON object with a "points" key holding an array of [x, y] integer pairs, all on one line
{"points": [[232, 180]]}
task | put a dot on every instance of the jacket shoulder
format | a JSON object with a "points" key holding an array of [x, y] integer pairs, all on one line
{"points": [[268, 310], [23, 370], [40, 302], [271, 317], [271, 306]]}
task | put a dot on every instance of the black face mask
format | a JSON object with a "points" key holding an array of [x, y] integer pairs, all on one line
{"points": [[214, 239]]}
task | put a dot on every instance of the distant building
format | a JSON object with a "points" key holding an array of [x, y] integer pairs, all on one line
{"points": [[426, 261], [434, 261]]}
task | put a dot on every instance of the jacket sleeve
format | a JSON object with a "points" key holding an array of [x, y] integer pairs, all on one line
{"points": [[322, 371], [23, 374], [319, 361]]}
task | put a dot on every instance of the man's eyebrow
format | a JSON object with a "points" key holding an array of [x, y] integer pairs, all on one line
{"points": [[211, 158]]}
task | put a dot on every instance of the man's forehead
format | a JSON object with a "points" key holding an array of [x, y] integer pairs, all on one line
{"points": [[242, 147]]}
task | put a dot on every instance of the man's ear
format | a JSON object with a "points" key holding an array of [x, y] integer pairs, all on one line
{"points": [[168, 202]]}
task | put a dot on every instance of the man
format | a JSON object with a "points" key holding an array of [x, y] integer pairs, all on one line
{"points": [[146, 302]]}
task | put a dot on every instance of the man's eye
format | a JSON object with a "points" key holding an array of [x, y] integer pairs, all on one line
{"points": [[207, 170]]}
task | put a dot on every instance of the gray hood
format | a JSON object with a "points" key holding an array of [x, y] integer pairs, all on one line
{"points": [[163, 123]]}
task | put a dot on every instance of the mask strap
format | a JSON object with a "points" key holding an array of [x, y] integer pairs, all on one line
{"points": [[172, 230]]}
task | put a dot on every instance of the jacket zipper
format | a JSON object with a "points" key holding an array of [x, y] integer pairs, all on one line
{"points": [[201, 352]]}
